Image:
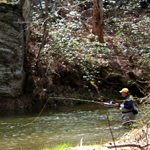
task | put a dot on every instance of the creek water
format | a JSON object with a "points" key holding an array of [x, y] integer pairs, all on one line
{"points": [[59, 125]]}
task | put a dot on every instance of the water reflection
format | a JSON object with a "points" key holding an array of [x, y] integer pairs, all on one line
{"points": [[58, 125]]}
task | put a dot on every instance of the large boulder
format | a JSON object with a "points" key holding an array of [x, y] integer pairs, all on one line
{"points": [[12, 39]]}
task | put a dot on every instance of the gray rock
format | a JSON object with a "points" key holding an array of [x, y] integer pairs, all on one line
{"points": [[11, 51]]}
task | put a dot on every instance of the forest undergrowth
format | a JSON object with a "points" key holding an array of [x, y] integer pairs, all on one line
{"points": [[64, 56]]}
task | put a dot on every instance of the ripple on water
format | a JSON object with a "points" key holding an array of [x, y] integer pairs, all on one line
{"points": [[55, 126]]}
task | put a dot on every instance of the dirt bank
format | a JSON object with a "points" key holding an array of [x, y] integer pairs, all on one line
{"points": [[134, 138]]}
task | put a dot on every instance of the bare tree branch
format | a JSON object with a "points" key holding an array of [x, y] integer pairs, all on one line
{"points": [[129, 145], [45, 29], [111, 131], [79, 4]]}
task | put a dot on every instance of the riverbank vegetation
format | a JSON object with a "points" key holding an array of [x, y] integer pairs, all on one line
{"points": [[132, 140], [59, 147], [64, 55]]}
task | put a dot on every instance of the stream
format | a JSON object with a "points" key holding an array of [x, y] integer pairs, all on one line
{"points": [[26, 130]]}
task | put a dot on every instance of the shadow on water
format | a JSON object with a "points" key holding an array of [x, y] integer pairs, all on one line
{"points": [[58, 125]]}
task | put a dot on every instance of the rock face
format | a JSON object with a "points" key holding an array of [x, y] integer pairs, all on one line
{"points": [[11, 50]]}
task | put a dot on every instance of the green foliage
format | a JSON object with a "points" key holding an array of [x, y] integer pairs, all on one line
{"points": [[66, 46], [145, 114], [110, 117], [59, 147], [134, 31], [69, 47]]}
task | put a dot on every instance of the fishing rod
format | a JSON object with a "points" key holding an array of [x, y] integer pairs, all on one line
{"points": [[89, 101]]}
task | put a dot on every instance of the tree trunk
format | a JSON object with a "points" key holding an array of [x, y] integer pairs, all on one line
{"points": [[27, 17], [98, 19]]}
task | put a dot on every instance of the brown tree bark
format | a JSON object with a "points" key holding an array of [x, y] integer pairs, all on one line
{"points": [[98, 19]]}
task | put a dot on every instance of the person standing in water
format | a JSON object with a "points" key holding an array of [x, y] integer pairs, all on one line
{"points": [[126, 108]]}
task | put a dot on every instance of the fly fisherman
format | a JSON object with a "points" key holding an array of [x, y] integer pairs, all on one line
{"points": [[126, 108]]}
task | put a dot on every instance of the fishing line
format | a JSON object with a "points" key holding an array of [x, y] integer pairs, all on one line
{"points": [[49, 98], [38, 114]]}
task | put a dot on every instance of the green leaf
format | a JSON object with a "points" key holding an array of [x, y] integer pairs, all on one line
{"points": [[109, 117]]}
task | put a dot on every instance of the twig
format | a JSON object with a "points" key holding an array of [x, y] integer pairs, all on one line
{"points": [[111, 131], [81, 143], [43, 38], [79, 4], [144, 98], [129, 145], [45, 29], [147, 135], [21, 147], [96, 87]]}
